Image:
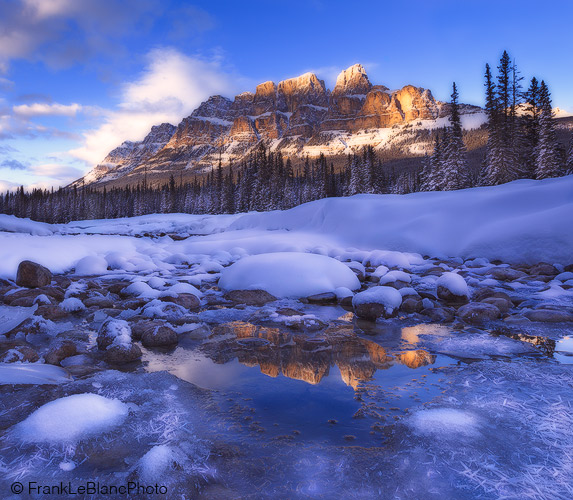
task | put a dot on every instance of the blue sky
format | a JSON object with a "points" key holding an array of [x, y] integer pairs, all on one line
{"points": [[77, 77]]}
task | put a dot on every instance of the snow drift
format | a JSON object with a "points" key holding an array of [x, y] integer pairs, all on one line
{"points": [[522, 221]]}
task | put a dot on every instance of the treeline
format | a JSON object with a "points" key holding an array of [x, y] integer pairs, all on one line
{"points": [[521, 143]]}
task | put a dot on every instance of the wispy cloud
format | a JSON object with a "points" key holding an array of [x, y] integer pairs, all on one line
{"points": [[56, 171], [47, 109], [169, 88]]}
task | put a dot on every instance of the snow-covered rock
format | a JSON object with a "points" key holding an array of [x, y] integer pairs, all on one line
{"points": [[377, 301]]}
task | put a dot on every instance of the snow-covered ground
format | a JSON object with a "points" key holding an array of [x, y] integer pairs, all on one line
{"points": [[520, 222], [463, 390]]}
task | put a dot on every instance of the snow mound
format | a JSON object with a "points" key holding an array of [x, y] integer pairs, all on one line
{"points": [[455, 283], [11, 373], [91, 266], [445, 422], [72, 419], [288, 274]]}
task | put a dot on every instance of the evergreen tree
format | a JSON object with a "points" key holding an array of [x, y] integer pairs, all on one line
{"points": [[546, 152], [454, 168]]}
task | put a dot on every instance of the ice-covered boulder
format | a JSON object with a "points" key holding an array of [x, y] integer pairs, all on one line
{"points": [[91, 266], [288, 274]]}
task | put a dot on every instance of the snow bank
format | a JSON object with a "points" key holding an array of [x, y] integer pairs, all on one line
{"points": [[12, 224], [91, 266], [71, 419], [522, 221], [288, 274]]}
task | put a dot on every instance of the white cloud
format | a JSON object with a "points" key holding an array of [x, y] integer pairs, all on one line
{"points": [[45, 109], [56, 171], [8, 186], [170, 87]]}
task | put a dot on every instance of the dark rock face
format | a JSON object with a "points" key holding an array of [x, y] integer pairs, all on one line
{"points": [[32, 275], [186, 300], [20, 354], [549, 316], [450, 297]]}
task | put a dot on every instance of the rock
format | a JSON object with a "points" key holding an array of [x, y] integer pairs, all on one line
{"points": [[376, 302], [506, 274], [502, 304], [516, 319], [543, 269], [250, 297], [51, 312], [98, 301], [440, 314], [322, 298], [32, 275], [306, 324], [158, 336], [139, 328], [549, 316], [476, 313], [486, 292], [64, 350], [452, 289], [119, 355], [20, 354], [113, 331], [411, 305], [186, 300]]}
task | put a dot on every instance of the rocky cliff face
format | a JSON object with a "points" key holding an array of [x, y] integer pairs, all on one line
{"points": [[299, 117]]}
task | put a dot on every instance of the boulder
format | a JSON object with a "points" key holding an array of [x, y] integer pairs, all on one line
{"points": [[376, 302], [411, 305], [502, 304], [51, 312], [548, 316], [250, 297], [186, 300], [440, 314], [32, 275], [452, 289], [506, 274], [61, 351], [322, 298], [543, 269], [119, 354], [477, 313], [159, 336], [139, 328]]}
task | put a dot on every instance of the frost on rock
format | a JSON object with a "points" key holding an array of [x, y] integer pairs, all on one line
{"points": [[288, 274], [114, 332], [71, 419], [72, 304]]}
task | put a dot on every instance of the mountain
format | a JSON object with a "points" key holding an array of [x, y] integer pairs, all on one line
{"points": [[299, 117]]}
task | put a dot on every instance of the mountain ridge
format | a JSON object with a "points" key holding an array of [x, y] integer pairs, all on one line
{"points": [[299, 117]]}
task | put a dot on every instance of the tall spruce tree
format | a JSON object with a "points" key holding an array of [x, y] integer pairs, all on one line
{"points": [[454, 168]]}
